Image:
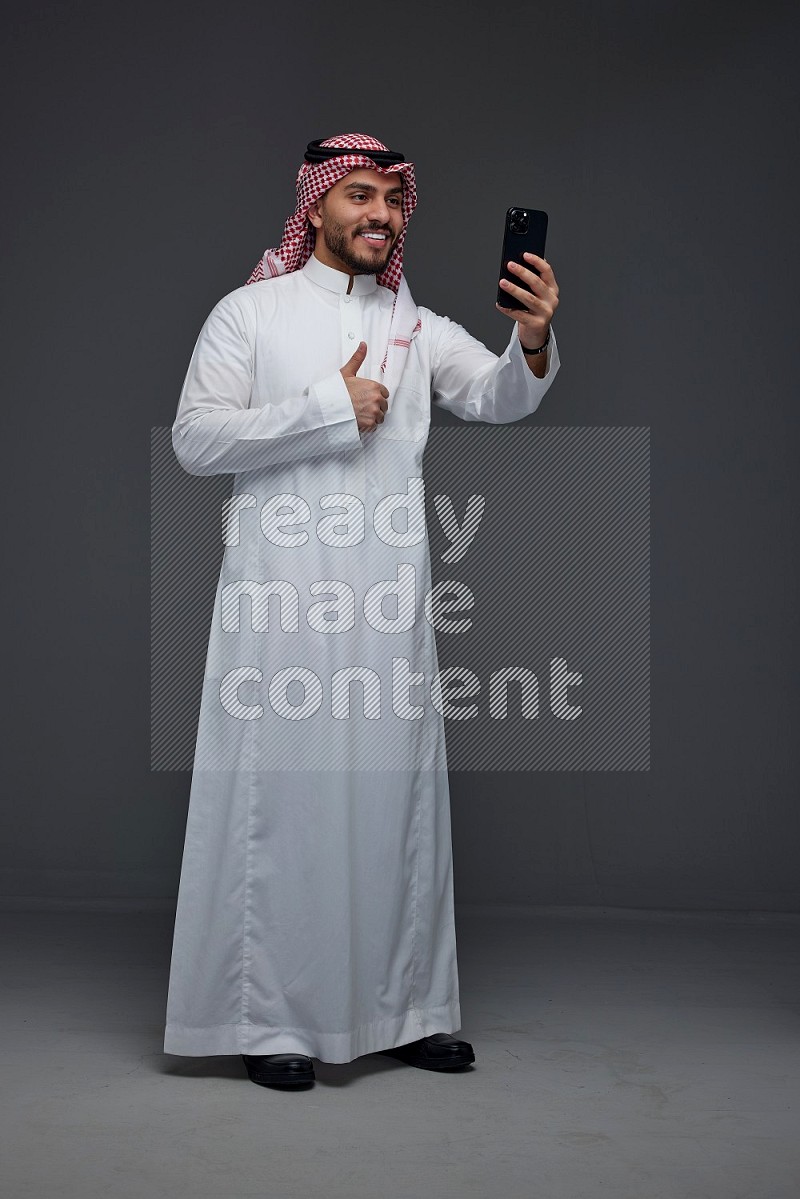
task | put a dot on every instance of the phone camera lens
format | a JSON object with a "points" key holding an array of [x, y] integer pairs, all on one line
{"points": [[518, 221]]}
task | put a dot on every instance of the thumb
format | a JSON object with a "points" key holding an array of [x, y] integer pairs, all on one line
{"points": [[351, 368]]}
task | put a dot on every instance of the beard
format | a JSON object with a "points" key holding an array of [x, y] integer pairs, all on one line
{"points": [[342, 243]]}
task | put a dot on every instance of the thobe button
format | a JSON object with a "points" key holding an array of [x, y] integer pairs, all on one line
{"points": [[351, 335], [346, 299]]}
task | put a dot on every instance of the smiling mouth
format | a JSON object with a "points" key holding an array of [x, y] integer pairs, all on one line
{"points": [[374, 239]]}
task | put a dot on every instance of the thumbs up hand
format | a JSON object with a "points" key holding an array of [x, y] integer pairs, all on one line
{"points": [[368, 397]]}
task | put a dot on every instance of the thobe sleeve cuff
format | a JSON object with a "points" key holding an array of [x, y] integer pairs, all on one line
{"points": [[337, 411], [514, 349], [477, 385]]}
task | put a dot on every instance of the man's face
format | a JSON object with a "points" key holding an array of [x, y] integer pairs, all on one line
{"points": [[361, 203]]}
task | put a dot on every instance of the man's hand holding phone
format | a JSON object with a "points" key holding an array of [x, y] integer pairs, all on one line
{"points": [[539, 295]]}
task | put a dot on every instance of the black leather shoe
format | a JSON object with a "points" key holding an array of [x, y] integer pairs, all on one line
{"points": [[279, 1069], [440, 1051]]}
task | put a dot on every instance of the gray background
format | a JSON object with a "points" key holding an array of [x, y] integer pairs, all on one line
{"points": [[150, 159]]}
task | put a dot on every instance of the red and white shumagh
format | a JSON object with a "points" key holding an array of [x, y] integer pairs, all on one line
{"points": [[297, 243]]}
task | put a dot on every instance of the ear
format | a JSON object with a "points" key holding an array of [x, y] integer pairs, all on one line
{"points": [[313, 214]]}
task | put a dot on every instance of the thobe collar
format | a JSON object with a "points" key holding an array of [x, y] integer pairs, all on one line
{"points": [[338, 281]]}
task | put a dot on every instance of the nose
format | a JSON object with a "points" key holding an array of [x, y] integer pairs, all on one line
{"points": [[379, 213]]}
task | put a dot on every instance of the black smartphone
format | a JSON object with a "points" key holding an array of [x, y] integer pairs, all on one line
{"points": [[526, 229]]}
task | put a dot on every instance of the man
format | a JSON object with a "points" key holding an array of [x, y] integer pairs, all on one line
{"points": [[315, 909]]}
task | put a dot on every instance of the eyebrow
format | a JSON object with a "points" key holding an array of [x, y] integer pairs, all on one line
{"points": [[370, 187]]}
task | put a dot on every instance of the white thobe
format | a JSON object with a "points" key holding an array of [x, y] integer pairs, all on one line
{"points": [[315, 906]]}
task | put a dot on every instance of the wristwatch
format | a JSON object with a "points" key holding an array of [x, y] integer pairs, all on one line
{"points": [[540, 349]]}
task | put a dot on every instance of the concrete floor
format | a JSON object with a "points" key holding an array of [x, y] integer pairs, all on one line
{"points": [[639, 1057]]}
